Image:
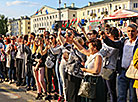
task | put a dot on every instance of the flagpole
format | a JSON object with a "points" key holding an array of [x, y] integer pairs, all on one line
{"points": [[59, 10]]}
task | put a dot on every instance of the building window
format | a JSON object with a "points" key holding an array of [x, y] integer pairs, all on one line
{"points": [[28, 27], [102, 9], [94, 11], [53, 16], [62, 15], [47, 17], [56, 16], [98, 10], [110, 6], [88, 12], [115, 7], [37, 19], [28, 22], [73, 15], [40, 24], [135, 5], [83, 13], [42, 18], [47, 24], [50, 17]]}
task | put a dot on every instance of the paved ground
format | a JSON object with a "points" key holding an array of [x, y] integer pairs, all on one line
{"points": [[11, 93]]}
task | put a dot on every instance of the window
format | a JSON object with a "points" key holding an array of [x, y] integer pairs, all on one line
{"points": [[110, 6], [98, 10], [73, 15], [28, 22], [47, 24], [50, 17], [62, 15], [83, 13], [116, 7], [135, 5], [53, 16], [94, 11], [47, 17], [42, 18], [102, 9], [56, 16], [28, 27], [124, 6], [40, 24], [88, 12]]}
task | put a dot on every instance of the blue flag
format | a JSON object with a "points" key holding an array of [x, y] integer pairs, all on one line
{"points": [[46, 12]]}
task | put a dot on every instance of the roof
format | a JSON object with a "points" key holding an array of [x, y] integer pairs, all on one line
{"points": [[100, 2], [69, 7], [122, 14]]}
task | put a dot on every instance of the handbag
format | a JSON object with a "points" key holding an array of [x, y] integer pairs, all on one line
{"points": [[107, 73], [132, 72], [88, 89], [49, 63]]}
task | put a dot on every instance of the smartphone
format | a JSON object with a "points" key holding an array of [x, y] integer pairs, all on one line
{"points": [[79, 25]]}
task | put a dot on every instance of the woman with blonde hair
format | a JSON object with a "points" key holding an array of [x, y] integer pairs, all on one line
{"points": [[38, 67]]}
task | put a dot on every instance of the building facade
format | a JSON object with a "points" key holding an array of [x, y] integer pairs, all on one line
{"points": [[19, 26], [46, 16]]}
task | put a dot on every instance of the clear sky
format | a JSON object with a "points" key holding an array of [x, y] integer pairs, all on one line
{"points": [[17, 8]]}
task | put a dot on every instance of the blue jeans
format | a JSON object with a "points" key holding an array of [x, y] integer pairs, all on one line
{"points": [[124, 84], [30, 80], [60, 83], [111, 88], [12, 73]]}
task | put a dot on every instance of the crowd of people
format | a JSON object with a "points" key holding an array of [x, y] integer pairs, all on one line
{"points": [[55, 64]]}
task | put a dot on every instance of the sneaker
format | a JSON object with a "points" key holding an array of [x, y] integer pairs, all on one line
{"points": [[49, 97], [39, 96], [55, 96], [28, 89], [60, 98]]}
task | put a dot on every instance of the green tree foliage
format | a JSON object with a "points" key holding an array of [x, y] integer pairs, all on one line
{"points": [[3, 25]]}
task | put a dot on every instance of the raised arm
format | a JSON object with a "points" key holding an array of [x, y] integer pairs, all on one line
{"points": [[81, 48]]}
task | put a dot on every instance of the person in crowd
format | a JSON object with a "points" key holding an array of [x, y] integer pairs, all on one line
{"points": [[127, 48], [75, 59], [1, 39], [2, 59], [38, 67], [20, 62], [28, 65], [93, 68], [6, 42], [92, 34], [110, 60], [11, 51], [58, 51], [50, 69]]}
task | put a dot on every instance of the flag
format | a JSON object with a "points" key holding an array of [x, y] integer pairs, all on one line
{"points": [[75, 21], [46, 12], [36, 12]]}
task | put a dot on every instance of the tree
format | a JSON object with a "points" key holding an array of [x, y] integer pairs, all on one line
{"points": [[3, 25]]}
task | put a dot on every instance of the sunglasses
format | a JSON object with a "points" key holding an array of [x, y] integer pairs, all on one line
{"points": [[51, 38]]}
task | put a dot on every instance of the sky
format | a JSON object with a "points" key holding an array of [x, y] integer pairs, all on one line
{"points": [[17, 8]]}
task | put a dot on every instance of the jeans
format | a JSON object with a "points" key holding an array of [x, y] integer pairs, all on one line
{"points": [[124, 84], [111, 88], [30, 80], [12, 74], [60, 83]]}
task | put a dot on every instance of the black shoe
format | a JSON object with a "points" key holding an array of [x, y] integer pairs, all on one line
{"points": [[28, 89], [18, 84], [34, 89], [39, 96], [23, 84], [55, 96], [49, 97]]}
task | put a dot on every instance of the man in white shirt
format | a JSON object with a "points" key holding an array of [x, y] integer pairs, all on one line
{"points": [[127, 48]]}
